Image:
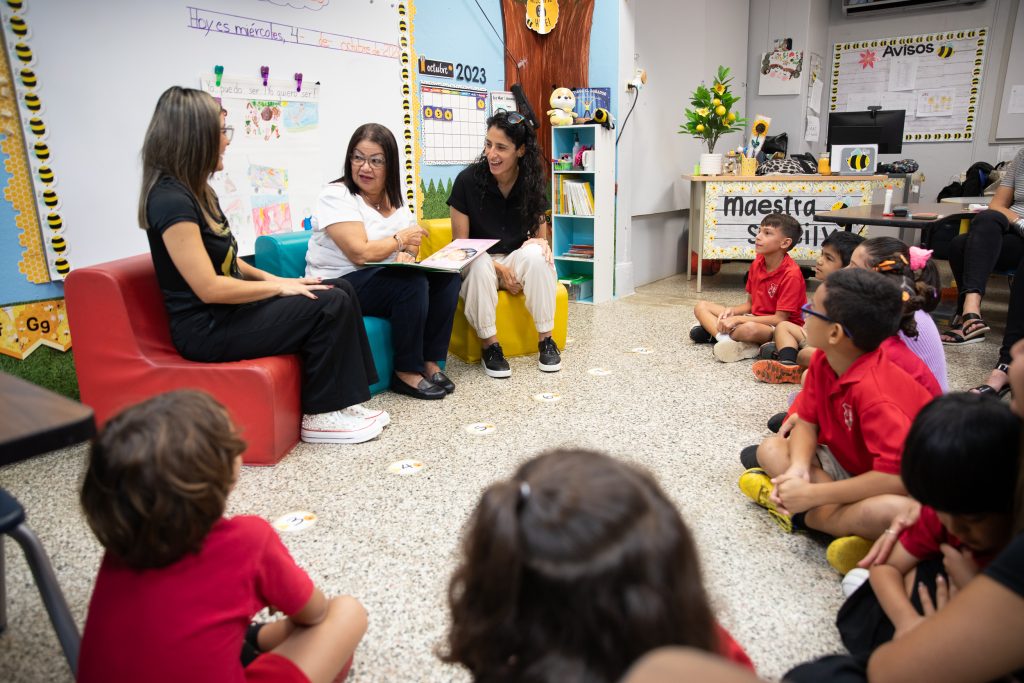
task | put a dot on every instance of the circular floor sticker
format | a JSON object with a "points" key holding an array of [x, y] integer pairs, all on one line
{"points": [[547, 397], [643, 350], [405, 467], [295, 521], [479, 428], [599, 372]]}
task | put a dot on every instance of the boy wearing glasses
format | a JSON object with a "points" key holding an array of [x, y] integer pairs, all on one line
{"points": [[839, 469], [775, 292]]}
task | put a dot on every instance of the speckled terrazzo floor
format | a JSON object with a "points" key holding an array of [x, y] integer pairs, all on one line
{"points": [[391, 540]]}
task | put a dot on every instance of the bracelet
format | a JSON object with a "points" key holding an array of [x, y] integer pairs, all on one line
{"points": [[410, 252], [401, 247]]}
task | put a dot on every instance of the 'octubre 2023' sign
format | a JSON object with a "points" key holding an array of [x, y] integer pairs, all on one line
{"points": [[733, 211]]}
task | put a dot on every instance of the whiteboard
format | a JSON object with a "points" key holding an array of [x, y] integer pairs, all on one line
{"points": [[1009, 127], [934, 77], [102, 66]]}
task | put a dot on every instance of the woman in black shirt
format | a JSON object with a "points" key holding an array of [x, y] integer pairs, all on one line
{"points": [[223, 309]]}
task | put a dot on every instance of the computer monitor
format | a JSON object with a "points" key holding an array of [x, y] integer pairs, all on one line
{"points": [[883, 127]]}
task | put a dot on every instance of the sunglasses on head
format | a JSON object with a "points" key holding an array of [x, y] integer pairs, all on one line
{"points": [[512, 117]]}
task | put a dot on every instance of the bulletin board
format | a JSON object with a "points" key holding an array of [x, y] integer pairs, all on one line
{"points": [[935, 78], [454, 123], [95, 72]]}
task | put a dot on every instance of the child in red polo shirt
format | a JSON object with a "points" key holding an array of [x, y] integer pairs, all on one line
{"points": [[179, 583], [961, 463], [775, 292], [838, 471]]}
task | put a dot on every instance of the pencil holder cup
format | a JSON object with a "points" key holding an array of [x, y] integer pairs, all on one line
{"points": [[748, 166]]}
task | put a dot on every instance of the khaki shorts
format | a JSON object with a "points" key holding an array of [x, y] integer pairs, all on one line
{"points": [[829, 464]]}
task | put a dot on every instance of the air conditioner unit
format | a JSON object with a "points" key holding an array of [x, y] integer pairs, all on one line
{"points": [[858, 8]]}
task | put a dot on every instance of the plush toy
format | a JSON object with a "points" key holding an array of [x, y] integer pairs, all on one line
{"points": [[563, 102]]}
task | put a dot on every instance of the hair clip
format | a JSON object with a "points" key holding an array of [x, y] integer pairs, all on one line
{"points": [[524, 490], [919, 257], [886, 266]]}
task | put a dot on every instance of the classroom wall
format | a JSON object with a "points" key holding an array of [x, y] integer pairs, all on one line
{"points": [[680, 43], [941, 162]]}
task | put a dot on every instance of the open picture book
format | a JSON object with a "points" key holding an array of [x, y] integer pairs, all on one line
{"points": [[451, 258]]}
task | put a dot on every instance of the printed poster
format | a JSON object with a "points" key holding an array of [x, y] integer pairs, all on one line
{"points": [[781, 73]]}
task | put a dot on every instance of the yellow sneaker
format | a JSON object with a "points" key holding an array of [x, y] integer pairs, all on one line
{"points": [[757, 486], [845, 552]]}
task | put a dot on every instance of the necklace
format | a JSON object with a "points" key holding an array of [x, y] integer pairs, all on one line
{"points": [[375, 205]]}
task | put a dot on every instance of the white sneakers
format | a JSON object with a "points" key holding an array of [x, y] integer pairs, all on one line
{"points": [[354, 424], [730, 350]]}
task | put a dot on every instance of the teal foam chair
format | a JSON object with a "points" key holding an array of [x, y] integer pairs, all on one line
{"points": [[284, 255]]}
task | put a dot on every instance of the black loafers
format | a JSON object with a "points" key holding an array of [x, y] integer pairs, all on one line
{"points": [[441, 380], [426, 389]]}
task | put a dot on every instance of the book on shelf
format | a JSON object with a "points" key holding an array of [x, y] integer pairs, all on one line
{"points": [[580, 251], [574, 197], [451, 258]]}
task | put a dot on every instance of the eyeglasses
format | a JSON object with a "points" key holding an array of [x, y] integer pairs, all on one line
{"points": [[228, 131], [512, 117], [806, 310], [376, 161]]}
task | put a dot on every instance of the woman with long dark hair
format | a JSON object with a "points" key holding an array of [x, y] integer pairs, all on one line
{"points": [[361, 219], [223, 309], [502, 196]]}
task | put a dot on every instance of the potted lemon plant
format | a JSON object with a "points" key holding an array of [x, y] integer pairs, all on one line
{"points": [[712, 115]]}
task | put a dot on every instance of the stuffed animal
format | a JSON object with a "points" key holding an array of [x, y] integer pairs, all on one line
{"points": [[563, 102]]}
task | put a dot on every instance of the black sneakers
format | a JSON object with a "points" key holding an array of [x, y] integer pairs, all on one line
{"points": [[494, 361], [698, 335], [549, 359]]}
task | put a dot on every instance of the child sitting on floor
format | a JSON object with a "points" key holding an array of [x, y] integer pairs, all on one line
{"points": [[838, 471], [572, 570], [960, 462], [775, 293], [179, 582], [784, 359]]}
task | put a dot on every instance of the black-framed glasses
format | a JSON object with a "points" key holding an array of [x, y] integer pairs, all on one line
{"points": [[375, 161], [806, 310], [512, 117], [228, 131]]}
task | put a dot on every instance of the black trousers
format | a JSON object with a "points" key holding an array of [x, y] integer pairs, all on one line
{"points": [[420, 305], [987, 246], [1014, 317], [326, 332]]}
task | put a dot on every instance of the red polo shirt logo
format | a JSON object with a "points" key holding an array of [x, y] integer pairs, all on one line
{"points": [[848, 415]]}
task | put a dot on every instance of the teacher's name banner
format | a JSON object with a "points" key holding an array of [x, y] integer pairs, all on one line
{"points": [[733, 212]]}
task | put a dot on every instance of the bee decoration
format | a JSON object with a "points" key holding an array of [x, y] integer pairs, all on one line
{"points": [[62, 266], [58, 244], [945, 51]]}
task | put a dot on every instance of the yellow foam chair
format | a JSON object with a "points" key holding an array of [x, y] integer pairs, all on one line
{"points": [[516, 332]]}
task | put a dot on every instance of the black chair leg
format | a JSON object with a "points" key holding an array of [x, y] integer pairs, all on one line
{"points": [[49, 589]]}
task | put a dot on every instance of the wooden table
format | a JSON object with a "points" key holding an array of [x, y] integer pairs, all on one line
{"points": [[871, 214], [725, 210], [35, 420]]}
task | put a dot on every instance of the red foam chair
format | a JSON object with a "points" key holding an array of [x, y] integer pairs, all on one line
{"points": [[123, 355]]}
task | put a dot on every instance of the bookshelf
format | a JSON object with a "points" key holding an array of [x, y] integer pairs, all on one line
{"points": [[583, 214]]}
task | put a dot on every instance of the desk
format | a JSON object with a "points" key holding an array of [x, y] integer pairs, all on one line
{"points": [[965, 223], [725, 210], [34, 421], [871, 214]]}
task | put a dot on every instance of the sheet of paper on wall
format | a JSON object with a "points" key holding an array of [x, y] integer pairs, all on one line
{"points": [[860, 101], [937, 102], [1007, 152], [1016, 103], [813, 129], [902, 74], [814, 100], [781, 73], [502, 100]]}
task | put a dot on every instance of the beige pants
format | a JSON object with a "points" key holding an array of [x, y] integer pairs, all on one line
{"points": [[534, 273]]}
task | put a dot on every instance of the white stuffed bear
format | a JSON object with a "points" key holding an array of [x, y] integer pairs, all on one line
{"points": [[563, 102]]}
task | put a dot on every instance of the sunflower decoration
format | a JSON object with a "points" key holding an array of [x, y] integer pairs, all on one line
{"points": [[712, 114], [757, 133]]}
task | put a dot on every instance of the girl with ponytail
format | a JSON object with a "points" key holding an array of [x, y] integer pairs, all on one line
{"points": [[918, 278], [571, 571]]}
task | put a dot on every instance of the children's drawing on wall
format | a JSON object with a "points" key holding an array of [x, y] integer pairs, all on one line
{"points": [[271, 214], [273, 167], [781, 72]]}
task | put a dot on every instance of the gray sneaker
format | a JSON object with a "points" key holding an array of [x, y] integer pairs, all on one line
{"points": [[549, 360]]}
